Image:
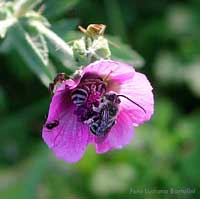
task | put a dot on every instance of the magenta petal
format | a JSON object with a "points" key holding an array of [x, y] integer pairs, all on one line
{"points": [[120, 135], [116, 70], [139, 90], [69, 139]]}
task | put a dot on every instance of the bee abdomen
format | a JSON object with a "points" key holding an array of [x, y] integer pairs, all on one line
{"points": [[101, 128], [79, 96]]}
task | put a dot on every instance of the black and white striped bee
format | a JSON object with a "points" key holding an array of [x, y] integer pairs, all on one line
{"points": [[107, 114], [87, 87], [79, 96]]}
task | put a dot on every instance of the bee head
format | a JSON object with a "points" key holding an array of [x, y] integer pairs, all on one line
{"points": [[112, 97]]}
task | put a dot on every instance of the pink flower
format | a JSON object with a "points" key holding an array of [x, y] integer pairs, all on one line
{"points": [[81, 105]]}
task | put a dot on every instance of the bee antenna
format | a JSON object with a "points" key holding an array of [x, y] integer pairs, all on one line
{"points": [[132, 102]]}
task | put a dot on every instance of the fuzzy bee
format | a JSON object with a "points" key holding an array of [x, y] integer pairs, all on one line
{"points": [[86, 88], [79, 96], [107, 114]]}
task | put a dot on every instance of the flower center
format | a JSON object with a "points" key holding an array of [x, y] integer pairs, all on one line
{"points": [[95, 106], [86, 96]]}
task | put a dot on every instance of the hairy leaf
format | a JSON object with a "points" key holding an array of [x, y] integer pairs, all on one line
{"points": [[31, 54], [4, 25], [38, 42], [57, 47]]}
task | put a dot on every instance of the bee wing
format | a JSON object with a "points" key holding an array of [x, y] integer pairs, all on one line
{"points": [[105, 114]]}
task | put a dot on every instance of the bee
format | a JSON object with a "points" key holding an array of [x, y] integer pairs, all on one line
{"points": [[107, 114], [104, 121], [102, 124], [79, 96], [86, 88], [51, 125], [60, 77]]}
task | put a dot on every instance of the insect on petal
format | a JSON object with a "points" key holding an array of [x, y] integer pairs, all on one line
{"points": [[101, 105], [69, 139], [119, 136]]}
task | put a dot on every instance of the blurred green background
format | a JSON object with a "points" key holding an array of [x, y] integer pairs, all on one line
{"points": [[162, 160]]}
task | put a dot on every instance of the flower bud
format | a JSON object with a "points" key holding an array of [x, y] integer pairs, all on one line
{"points": [[92, 46]]}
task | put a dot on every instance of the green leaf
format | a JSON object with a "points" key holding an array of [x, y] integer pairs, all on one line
{"points": [[32, 16], [4, 25], [6, 10], [57, 8], [123, 52], [6, 17], [38, 43], [22, 6], [6, 44], [31, 54], [57, 47]]}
